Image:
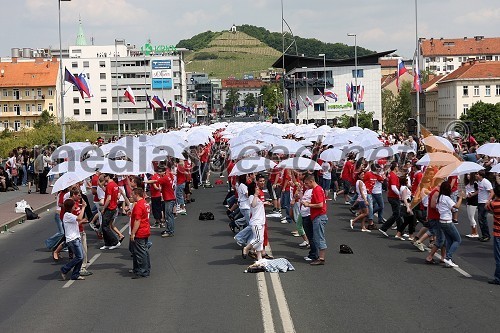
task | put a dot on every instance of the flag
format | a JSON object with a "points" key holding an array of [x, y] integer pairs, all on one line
{"points": [[361, 93], [130, 95], [348, 91], [304, 102], [416, 80], [149, 103], [290, 104], [401, 70], [84, 86], [322, 94], [170, 103], [160, 102], [309, 101], [76, 81], [330, 94]]}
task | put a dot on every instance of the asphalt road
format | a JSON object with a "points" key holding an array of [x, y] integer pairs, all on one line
{"points": [[198, 283]]}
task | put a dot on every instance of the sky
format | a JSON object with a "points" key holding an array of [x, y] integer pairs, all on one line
{"points": [[379, 25]]}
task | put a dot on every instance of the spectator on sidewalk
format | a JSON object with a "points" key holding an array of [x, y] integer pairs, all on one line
{"points": [[494, 207]]}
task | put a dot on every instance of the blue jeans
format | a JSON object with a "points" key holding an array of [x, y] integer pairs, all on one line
{"points": [[244, 236], [298, 219], [326, 184], [179, 193], [435, 230], [452, 237], [496, 251], [59, 223], [25, 175], [319, 231], [308, 228], [245, 219], [483, 220], [140, 253], [285, 204], [378, 206], [75, 246], [169, 216], [369, 198]]}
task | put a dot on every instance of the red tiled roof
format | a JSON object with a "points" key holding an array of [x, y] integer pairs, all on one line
{"points": [[388, 63], [433, 80], [29, 74], [475, 70], [233, 83], [460, 46]]}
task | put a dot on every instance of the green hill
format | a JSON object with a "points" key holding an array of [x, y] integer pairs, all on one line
{"points": [[250, 50]]}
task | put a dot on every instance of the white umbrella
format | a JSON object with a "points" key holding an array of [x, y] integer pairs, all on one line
{"points": [[439, 143], [291, 147], [252, 164], [273, 130], [70, 166], [489, 149], [72, 151], [458, 169], [121, 167], [70, 178], [331, 155], [197, 138], [495, 168], [299, 163], [244, 150], [242, 139], [336, 141], [367, 142], [452, 134]]}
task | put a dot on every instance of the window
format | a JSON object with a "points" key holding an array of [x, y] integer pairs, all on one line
{"points": [[5, 108], [74, 64], [28, 108], [450, 67], [476, 90], [28, 122], [103, 87], [361, 105], [489, 57], [319, 91], [465, 90], [5, 93], [319, 107], [86, 64], [76, 100], [17, 109], [39, 92], [104, 111], [466, 109], [75, 88], [103, 76], [488, 90], [497, 90], [16, 93], [87, 101], [76, 112], [104, 100], [444, 59], [51, 107], [433, 59], [87, 111], [39, 107], [360, 73], [27, 93], [438, 68], [102, 64], [51, 92]]}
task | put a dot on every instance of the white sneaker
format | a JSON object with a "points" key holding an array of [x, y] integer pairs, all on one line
{"points": [[335, 196], [347, 203], [283, 220], [472, 236], [115, 246], [307, 259], [304, 244], [274, 214], [105, 247], [365, 230], [383, 232], [395, 227], [351, 223], [449, 263], [400, 238]]}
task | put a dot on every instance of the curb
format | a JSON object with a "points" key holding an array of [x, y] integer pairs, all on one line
{"points": [[22, 218]]}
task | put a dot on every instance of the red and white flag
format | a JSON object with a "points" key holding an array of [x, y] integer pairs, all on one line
{"points": [[130, 95]]}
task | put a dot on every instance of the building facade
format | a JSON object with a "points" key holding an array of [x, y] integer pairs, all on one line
{"points": [[244, 87]]}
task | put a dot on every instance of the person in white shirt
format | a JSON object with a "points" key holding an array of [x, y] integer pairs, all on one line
{"points": [[445, 205], [71, 231], [362, 201], [243, 201], [484, 194], [257, 221]]}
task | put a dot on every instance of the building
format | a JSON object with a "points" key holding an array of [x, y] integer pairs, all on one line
{"points": [[443, 56], [473, 82], [244, 87], [428, 104], [388, 82], [28, 87], [199, 96], [389, 65], [308, 76]]}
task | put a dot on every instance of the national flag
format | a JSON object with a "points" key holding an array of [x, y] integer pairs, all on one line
{"points": [[416, 80], [401, 70], [74, 81], [130, 95], [160, 102], [309, 101], [361, 93], [84, 86], [170, 103], [330, 94], [290, 104], [348, 91], [149, 103]]}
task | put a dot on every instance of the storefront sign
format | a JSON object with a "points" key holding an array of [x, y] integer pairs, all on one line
{"points": [[339, 106], [149, 49]]}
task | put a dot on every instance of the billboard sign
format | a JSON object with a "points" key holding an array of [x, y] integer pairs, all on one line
{"points": [[161, 74]]}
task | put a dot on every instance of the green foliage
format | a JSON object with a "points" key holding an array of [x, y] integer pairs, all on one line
{"points": [[45, 119], [424, 76], [199, 41], [485, 118], [364, 120], [272, 95], [250, 101], [205, 56], [307, 46], [232, 101], [396, 109]]}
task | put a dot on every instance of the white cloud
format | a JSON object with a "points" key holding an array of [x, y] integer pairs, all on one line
{"points": [[480, 16]]}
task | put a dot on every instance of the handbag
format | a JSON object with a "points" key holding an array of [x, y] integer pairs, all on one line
{"points": [[21, 206]]}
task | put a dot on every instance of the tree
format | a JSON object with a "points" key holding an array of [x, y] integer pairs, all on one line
{"points": [[250, 101], [396, 109], [364, 120], [272, 96], [485, 118], [232, 101], [45, 119]]}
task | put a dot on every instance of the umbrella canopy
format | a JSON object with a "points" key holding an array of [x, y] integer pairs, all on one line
{"points": [[291, 147], [458, 169], [331, 155], [71, 166], [336, 141], [273, 130], [121, 167], [384, 152], [439, 143], [489, 149], [437, 159], [495, 169], [252, 164], [71, 151], [241, 140], [70, 178], [299, 163], [244, 150]]}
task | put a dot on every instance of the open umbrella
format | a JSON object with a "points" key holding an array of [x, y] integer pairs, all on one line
{"points": [[495, 169], [273, 130], [299, 163], [437, 159], [439, 143], [458, 169], [332, 155], [291, 147], [489, 149], [71, 151], [70, 178], [252, 164]]}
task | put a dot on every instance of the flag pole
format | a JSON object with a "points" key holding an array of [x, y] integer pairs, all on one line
{"points": [[417, 70], [117, 90]]}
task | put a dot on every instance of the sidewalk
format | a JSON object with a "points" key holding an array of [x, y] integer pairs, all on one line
{"points": [[39, 203]]}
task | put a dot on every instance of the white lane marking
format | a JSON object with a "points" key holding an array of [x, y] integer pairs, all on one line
{"points": [[458, 269], [94, 258], [279, 293], [265, 305]]}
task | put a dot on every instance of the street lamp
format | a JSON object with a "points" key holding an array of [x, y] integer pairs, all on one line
{"points": [[324, 79], [117, 89], [356, 73], [61, 77]]}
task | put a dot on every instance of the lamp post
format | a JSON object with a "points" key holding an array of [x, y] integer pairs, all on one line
{"points": [[307, 94], [356, 74], [324, 79], [294, 101], [117, 89], [61, 77], [417, 71]]}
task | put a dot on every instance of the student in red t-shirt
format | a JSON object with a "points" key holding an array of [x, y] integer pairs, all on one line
{"points": [[318, 217], [347, 178], [181, 185], [167, 192], [156, 202], [108, 213], [393, 198], [139, 234]]}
